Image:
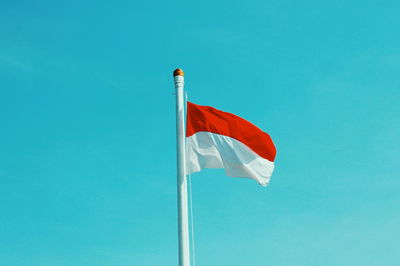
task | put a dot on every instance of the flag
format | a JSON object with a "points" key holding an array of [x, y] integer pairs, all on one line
{"points": [[217, 139]]}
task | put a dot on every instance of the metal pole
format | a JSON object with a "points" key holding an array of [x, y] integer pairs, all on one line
{"points": [[183, 221]]}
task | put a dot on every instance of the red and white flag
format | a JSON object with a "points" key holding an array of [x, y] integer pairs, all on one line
{"points": [[217, 139]]}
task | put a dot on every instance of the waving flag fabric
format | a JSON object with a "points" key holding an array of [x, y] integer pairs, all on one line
{"points": [[217, 139]]}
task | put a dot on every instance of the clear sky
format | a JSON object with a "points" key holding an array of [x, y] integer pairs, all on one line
{"points": [[87, 136]]}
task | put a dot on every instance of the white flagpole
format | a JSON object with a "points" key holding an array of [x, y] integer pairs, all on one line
{"points": [[183, 221]]}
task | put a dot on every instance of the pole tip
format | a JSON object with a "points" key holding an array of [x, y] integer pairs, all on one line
{"points": [[178, 72]]}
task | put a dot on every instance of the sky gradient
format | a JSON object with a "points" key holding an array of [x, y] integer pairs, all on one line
{"points": [[87, 136]]}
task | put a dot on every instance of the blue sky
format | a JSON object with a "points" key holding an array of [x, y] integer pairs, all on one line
{"points": [[87, 140]]}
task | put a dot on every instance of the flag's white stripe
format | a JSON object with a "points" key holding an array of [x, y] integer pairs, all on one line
{"points": [[210, 150]]}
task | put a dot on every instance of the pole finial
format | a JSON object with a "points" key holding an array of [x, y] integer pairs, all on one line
{"points": [[178, 72]]}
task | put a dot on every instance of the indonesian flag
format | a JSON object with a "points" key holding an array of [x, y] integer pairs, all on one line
{"points": [[216, 139]]}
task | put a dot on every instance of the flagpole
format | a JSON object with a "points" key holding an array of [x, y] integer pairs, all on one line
{"points": [[183, 221]]}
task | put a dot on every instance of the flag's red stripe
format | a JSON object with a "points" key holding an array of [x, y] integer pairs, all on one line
{"points": [[205, 118]]}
